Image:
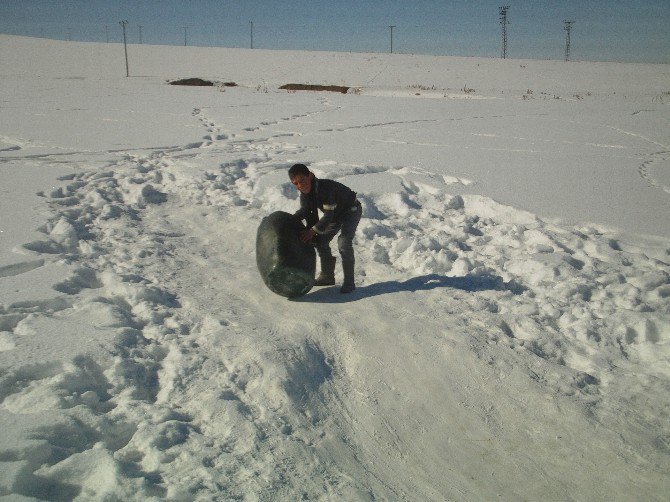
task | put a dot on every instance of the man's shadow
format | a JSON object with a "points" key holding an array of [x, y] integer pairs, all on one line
{"points": [[422, 283]]}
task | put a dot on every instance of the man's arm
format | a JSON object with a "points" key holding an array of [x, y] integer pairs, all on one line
{"points": [[324, 225], [303, 212], [330, 198]]}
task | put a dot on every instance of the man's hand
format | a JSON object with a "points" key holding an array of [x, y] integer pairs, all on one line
{"points": [[306, 235]]}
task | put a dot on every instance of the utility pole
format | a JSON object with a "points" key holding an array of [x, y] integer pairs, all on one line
{"points": [[107, 33], [140, 27], [185, 38], [393, 26], [567, 28], [125, 45], [252, 33], [503, 21]]}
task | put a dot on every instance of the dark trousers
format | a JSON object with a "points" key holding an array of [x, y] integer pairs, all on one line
{"points": [[347, 228]]}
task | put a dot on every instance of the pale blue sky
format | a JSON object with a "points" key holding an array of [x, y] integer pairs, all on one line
{"points": [[604, 30]]}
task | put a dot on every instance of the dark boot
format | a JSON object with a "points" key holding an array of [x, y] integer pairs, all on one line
{"points": [[327, 275], [348, 285]]}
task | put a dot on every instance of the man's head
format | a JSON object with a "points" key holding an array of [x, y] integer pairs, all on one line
{"points": [[301, 177]]}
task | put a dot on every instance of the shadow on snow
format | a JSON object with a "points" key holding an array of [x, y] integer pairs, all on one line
{"points": [[422, 283]]}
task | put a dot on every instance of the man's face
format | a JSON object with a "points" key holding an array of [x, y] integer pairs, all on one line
{"points": [[303, 182]]}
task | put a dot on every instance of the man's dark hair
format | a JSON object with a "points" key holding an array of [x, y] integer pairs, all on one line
{"points": [[298, 169]]}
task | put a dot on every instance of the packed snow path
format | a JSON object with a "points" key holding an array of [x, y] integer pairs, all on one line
{"points": [[486, 352]]}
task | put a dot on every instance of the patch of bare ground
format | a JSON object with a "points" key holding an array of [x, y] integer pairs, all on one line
{"points": [[200, 82], [312, 87]]}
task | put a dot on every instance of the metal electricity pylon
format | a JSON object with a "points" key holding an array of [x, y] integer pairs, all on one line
{"points": [[503, 21], [567, 27]]}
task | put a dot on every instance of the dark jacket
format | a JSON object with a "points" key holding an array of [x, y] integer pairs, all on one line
{"points": [[332, 198]]}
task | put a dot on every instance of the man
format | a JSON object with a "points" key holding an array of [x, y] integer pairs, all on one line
{"points": [[341, 213]]}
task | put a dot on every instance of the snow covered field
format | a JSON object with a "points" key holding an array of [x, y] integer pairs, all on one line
{"points": [[509, 337]]}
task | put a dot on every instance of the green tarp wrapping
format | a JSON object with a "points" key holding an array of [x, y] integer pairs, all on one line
{"points": [[286, 264]]}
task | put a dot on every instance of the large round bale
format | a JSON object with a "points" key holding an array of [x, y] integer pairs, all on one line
{"points": [[286, 264]]}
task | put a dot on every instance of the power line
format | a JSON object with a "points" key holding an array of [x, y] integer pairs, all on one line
{"points": [[416, 39]]}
